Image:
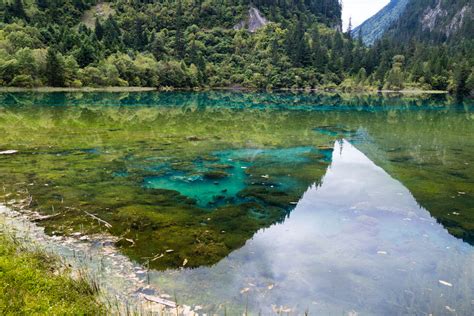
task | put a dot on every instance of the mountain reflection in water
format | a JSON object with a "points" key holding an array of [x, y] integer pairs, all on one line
{"points": [[358, 242]]}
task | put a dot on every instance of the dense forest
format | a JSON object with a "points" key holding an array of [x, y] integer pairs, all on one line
{"points": [[194, 43]]}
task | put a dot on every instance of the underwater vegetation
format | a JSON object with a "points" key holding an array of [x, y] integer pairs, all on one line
{"points": [[190, 177]]}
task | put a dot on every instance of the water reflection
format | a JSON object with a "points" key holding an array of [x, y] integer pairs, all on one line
{"points": [[358, 242]]}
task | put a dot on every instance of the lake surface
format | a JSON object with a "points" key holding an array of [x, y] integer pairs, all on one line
{"points": [[260, 202]]}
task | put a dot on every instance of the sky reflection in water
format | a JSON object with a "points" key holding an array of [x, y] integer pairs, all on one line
{"points": [[359, 242]]}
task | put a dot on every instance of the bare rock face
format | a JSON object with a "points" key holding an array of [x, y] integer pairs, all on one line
{"points": [[431, 16], [438, 18], [254, 21], [458, 20]]}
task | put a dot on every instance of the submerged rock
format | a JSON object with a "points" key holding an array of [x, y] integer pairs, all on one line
{"points": [[193, 138], [215, 174], [221, 166]]}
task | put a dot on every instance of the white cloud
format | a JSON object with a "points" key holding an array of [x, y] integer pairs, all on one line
{"points": [[360, 10]]}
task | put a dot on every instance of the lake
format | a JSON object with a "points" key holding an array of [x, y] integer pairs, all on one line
{"points": [[257, 202]]}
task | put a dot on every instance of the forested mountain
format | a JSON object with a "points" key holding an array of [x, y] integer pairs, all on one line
{"points": [[436, 37], [198, 43], [435, 21], [375, 27]]}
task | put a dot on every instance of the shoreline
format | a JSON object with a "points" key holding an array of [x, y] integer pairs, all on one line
{"points": [[115, 89], [84, 89], [120, 280], [415, 91]]}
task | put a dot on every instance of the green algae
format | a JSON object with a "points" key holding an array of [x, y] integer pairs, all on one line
{"points": [[193, 176]]}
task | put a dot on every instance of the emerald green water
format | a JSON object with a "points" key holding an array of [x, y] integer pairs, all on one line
{"points": [[246, 187]]}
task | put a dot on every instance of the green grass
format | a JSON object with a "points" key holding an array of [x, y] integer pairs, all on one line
{"points": [[33, 282]]}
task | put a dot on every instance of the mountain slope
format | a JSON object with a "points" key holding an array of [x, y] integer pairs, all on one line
{"points": [[375, 27], [187, 44], [435, 21], [176, 43]]}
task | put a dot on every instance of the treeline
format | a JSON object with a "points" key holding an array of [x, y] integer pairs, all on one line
{"points": [[187, 44]]}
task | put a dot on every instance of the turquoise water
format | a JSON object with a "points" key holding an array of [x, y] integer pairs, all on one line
{"points": [[219, 178], [359, 243], [274, 203], [210, 182]]}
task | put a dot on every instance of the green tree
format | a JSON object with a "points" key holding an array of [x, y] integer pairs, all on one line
{"points": [[17, 9], [26, 64], [395, 77], [8, 70], [180, 45], [470, 84], [361, 76], [461, 75], [98, 30], [86, 54], [349, 29], [24, 81], [55, 73], [71, 69], [112, 35], [42, 4]]}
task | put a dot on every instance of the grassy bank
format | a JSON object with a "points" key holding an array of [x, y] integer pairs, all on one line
{"points": [[34, 282]]}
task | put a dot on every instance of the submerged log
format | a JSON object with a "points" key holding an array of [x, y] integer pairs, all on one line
{"points": [[159, 300], [39, 218], [100, 220]]}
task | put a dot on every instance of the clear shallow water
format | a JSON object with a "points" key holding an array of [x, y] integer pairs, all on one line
{"points": [[220, 178], [305, 202], [357, 242]]}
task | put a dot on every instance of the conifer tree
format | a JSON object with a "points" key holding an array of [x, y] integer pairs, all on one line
{"points": [[54, 69], [99, 30], [179, 36]]}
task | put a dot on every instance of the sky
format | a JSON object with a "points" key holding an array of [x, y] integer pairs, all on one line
{"points": [[360, 10]]}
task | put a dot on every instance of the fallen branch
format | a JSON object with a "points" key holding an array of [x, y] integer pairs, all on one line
{"points": [[100, 220], [39, 218], [159, 300]]}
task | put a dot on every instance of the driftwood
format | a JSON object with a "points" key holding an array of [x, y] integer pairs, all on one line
{"points": [[100, 220], [39, 218], [159, 300]]}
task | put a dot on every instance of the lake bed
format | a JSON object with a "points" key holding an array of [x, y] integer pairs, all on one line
{"points": [[259, 202]]}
